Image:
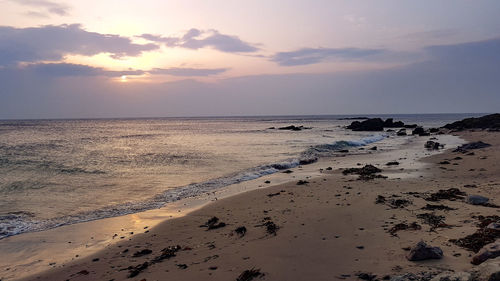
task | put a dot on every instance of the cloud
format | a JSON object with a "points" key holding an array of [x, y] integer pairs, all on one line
{"points": [[197, 39], [54, 70], [307, 56], [188, 72], [484, 52], [50, 7], [54, 42]]}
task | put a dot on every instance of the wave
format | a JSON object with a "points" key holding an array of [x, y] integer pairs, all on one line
{"points": [[17, 223]]}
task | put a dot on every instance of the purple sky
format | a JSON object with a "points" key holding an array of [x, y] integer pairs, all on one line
{"points": [[91, 59]]}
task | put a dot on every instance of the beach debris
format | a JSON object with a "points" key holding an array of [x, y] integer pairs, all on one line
{"points": [[380, 199], [142, 253], [273, 194], [96, 259], [267, 182], [213, 223], [489, 251], [393, 203], [477, 200], [422, 251], [366, 276], [83, 272], [431, 207], [473, 145], [241, 231], [450, 194], [271, 227], [167, 253], [444, 162], [404, 226], [287, 172], [182, 266], [373, 148], [134, 271], [249, 274], [483, 236], [302, 182], [212, 268], [392, 163], [329, 168], [433, 220], [433, 145], [368, 172], [470, 186]]}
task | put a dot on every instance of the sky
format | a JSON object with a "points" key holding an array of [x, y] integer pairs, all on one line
{"points": [[152, 58]]}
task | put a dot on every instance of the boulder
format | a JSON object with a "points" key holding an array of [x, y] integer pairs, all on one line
{"points": [[488, 271], [401, 132], [433, 145], [422, 251], [473, 145], [490, 251], [491, 121], [389, 123], [494, 225], [477, 200], [453, 276], [373, 124], [419, 131], [412, 126]]}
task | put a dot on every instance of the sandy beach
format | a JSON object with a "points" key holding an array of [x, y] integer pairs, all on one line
{"points": [[327, 227]]}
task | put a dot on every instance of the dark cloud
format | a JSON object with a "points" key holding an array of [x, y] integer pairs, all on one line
{"points": [[484, 52], [197, 39], [455, 78], [50, 7], [188, 72], [54, 42], [307, 56]]}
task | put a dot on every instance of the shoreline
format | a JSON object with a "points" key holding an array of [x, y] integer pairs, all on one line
{"points": [[84, 239]]}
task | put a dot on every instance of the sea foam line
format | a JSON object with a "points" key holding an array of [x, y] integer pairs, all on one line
{"points": [[17, 223]]}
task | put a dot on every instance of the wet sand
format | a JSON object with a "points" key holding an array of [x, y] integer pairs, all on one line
{"points": [[329, 228]]}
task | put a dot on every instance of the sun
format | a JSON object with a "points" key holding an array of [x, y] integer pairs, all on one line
{"points": [[123, 78]]}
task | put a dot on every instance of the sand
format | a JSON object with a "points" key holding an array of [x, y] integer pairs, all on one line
{"points": [[329, 228]]}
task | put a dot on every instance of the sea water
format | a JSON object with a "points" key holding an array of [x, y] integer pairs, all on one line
{"points": [[58, 172]]}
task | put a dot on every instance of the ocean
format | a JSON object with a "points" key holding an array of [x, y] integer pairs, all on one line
{"points": [[59, 172]]}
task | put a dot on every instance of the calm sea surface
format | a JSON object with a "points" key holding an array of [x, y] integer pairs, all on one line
{"points": [[57, 172]]}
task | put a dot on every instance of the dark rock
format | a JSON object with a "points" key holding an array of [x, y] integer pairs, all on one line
{"points": [[392, 163], [489, 251], [182, 266], [373, 148], [473, 145], [433, 145], [389, 123], [434, 130], [302, 182], [401, 132], [420, 131], [422, 251], [491, 121], [444, 162], [412, 126], [477, 200], [374, 124], [294, 128]]}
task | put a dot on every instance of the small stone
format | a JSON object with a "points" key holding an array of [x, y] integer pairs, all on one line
{"points": [[422, 251]]}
